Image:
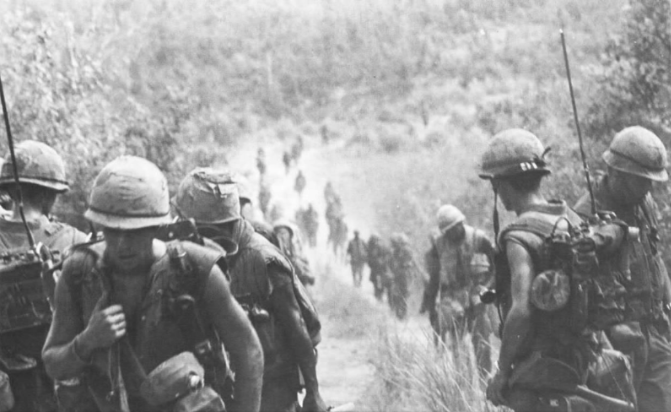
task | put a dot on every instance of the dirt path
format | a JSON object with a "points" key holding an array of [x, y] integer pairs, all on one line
{"points": [[344, 368]]}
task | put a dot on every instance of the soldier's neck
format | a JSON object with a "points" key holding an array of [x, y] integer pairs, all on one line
{"points": [[526, 201]]}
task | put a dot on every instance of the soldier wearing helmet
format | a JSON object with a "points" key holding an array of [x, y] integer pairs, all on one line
{"points": [[458, 264], [41, 175], [378, 262], [291, 246], [635, 159], [402, 266], [264, 281], [533, 341], [130, 308]]}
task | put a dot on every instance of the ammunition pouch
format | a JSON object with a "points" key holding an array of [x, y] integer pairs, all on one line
{"points": [[177, 385]]}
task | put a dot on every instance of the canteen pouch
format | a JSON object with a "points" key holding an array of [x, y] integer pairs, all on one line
{"points": [[172, 379], [6, 394], [176, 385]]}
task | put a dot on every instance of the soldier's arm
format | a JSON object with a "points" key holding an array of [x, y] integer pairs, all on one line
{"points": [[285, 306], [60, 356], [487, 247], [518, 322], [240, 340]]}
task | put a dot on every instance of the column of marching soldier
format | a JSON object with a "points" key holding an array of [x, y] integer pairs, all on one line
{"points": [[139, 323]]}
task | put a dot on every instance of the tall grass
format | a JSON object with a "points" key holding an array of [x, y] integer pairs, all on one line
{"points": [[411, 374]]}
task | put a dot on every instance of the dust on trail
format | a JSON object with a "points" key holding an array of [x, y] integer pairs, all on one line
{"points": [[344, 369]]}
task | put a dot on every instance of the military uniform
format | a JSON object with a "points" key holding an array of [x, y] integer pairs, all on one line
{"points": [[401, 264], [263, 281], [453, 278], [38, 165], [645, 305], [356, 249], [378, 262], [131, 305], [545, 349]]}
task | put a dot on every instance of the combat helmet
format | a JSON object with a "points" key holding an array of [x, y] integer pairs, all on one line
{"points": [[449, 216], [638, 151], [37, 164], [513, 152], [129, 193], [209, 196], [286, 224]]}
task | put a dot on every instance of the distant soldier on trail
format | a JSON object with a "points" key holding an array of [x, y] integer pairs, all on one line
{"points": [[261, 161], [311, 218], [402, 266], [264, 197], [329, 193], [356, 250], [459, 265], [286, 159], [297, 149], [300, 183], [41, 173], [292, 247], [324, 131], [338, 235], [378, 262]]}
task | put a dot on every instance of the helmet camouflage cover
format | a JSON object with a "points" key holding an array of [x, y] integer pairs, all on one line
{"points": [[638, 151], [208, 195], [36, 163], [129, 193]]}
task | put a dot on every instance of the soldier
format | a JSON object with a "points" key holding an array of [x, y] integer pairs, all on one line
{"points": [[356, 250], [636, 158], [299, 186], [292, 248], [329, 193], [378, 262], [132, 305], [458, 264], [261, 161], [263, 280], [545, 349], [311, 225], [286, 159], [401, 266], [41, 174], [324, 130]]}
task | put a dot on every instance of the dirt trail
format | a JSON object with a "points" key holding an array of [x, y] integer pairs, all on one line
{"points": [[344, 368]]}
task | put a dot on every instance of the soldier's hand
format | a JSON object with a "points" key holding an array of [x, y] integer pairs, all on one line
{"points": [[497, 388], [313, 402], [106, 325]]}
